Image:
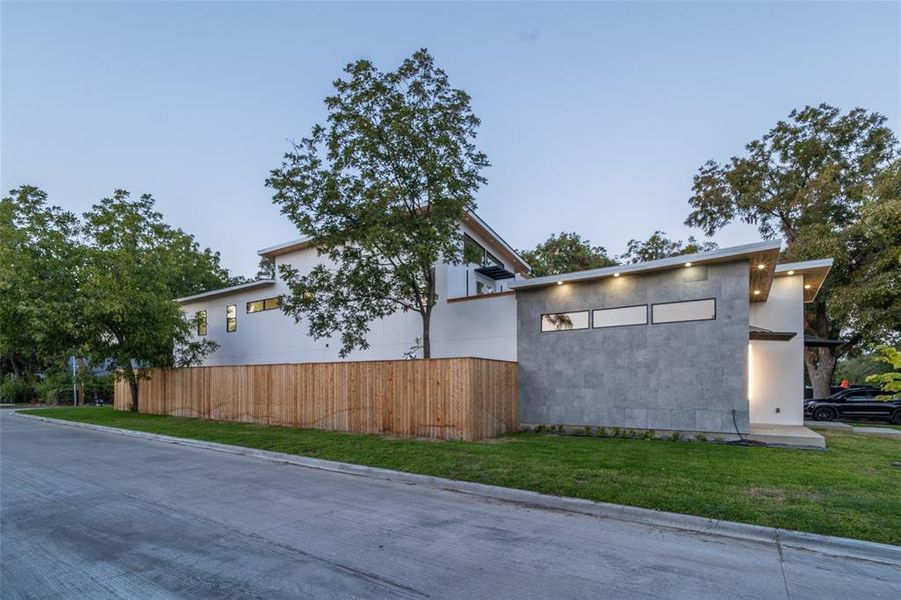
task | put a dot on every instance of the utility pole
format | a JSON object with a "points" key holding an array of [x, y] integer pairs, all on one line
{"points": [[74, 383]]}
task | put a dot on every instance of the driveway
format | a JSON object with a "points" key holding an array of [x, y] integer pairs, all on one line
{"points": [[88, 514]]}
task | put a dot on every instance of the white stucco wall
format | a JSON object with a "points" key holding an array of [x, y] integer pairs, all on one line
{"points": [[776, 369], [482, 327]]}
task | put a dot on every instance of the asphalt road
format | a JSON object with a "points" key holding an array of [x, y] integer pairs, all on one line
{"points": [[87, 514]]}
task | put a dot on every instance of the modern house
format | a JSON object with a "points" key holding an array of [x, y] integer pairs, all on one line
{"points": [[710, 342]]}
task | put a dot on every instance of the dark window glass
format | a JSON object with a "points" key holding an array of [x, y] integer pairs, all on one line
{"points": [[201, 322], [264, 304], [492, 260], [231, 318], [473, 252]]}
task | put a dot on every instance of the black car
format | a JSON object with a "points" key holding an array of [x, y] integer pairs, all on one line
{"points": [[854, 403]]}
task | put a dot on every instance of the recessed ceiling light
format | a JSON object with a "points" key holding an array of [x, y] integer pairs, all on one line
{"points": [[688, 264], [559, 283], [616, 274], [756, 292], [807, 287], [761, 267], [791, 272]]}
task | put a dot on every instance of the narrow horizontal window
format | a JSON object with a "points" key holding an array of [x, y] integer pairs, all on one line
{"points": [[616, 317], [691, 310], [264, 304], [231, 318], [564, 321], [201, 322]]}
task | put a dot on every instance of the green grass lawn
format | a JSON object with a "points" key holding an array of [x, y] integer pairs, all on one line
{"points": [[851, 490]]}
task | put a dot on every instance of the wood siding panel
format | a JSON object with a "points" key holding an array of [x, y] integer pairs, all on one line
{"points": [[452, 398]]}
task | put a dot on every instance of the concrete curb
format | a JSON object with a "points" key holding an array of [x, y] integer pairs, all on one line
{"points": [[833, 546]]}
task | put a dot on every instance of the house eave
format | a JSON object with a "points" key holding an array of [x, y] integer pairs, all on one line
{"points": [[235, 289], [762, 257], [814, 273]]}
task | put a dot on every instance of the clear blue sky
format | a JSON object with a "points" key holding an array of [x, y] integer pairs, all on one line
{"points": [[595, 116]]}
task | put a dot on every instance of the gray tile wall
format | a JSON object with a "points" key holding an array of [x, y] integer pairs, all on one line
{"points": [[681, 376]]}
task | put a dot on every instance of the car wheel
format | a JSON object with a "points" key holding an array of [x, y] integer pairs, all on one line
{"points": [[896, 418], [823, 414]]}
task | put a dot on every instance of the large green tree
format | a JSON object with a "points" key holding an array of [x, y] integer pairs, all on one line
{"points": [[39, 262], [134, 266], [660, 246], [826, 182], [566, 253], [381, 190]]}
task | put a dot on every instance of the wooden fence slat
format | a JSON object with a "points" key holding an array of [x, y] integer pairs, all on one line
{"points": [[448, 398]]}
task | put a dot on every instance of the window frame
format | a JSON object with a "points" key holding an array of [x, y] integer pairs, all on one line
{"points": [[203, 327], [231, 323], [713, 318], [564, 312], [263, 304], [647, 316]]}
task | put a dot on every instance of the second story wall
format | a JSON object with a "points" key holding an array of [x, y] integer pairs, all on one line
{"points": [[481, 327]]}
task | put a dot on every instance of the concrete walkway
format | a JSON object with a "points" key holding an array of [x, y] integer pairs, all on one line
{"points": [[89, 514], [861, 428]]}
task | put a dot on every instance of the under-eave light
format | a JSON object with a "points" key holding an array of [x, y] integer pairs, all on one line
{"points": [[616, 274], [761, 267], [559, 283], [808, 286], [688, 264], [756, 292], [791, 272]]}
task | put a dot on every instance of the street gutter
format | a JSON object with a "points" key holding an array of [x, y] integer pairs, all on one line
{"points": [[782, 538]]}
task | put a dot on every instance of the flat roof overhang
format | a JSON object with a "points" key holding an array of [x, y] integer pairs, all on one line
{"points": [[812, 341], [495, 272], [814, 272], [242, 287], [759, 333], [761, 257]]}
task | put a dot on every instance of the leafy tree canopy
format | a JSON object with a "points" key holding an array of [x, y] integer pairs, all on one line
{"points": [[380, 190], [566, 253], [134, 265], [660, 246], [826, 182], [39, 258]]}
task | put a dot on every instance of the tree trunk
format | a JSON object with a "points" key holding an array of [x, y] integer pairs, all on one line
{"points": [[426, 335], [133, 387], [820, 364]]}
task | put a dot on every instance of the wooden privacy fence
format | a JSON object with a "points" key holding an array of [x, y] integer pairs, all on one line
{"points": [[445, 398]]}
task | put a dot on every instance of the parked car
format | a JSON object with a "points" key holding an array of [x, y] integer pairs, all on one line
{"points": [[854, 403]]}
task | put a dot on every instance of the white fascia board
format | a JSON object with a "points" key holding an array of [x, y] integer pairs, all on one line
{"points": [[699, 258], [499, 239], [807, 265], [280, 248], [242, 287]]}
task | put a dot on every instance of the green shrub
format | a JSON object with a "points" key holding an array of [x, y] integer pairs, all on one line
{"points": [[719, 439], [587, 430], [56, 387], [650, 434], [539, 429], [700, 437], [676, 436], [16, 390], [601, 431]]}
